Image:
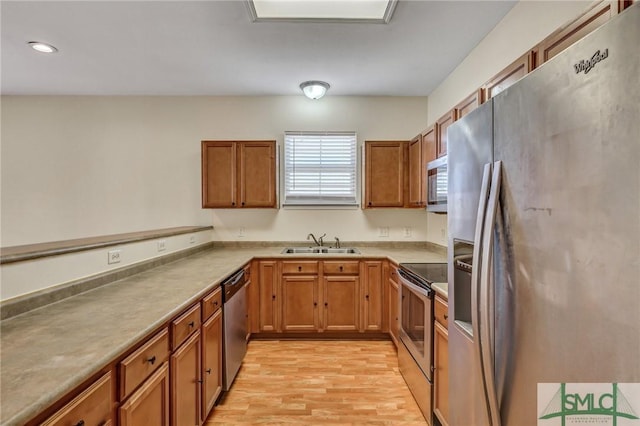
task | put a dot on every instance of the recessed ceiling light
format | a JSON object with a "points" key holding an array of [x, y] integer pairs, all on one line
{"points": [[314, 89], [366, 11], [42, 47]]}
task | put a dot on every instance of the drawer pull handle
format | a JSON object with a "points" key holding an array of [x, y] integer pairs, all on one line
{"points": [[446, 316], [299, 268], [80, 423], [191, 324], [151, 359], [215, 303], [326, 304], [273, 297], [341, 268], [366, 296], [315, 303], [208, 371]]}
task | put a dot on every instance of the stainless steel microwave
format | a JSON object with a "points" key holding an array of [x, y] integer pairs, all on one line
{"points": [[437, 185]]}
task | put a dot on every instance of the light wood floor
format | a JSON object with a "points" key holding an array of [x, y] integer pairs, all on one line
{"points": [[318, 382]]}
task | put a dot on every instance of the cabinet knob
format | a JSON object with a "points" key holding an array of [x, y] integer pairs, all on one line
{"points": [[446, 316], [366, 296], [341, 268], [215, 302], [315, 303], [273, 297], [191, 324], [369, 202], [208, 371], [299, 268], [326, 304], [80, 423], [151, 360], [243, 203]]}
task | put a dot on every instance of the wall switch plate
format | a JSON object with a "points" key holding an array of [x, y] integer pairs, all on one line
{"points": [[113, 256], [192, 239], [241, 231], [407, 231], [162, 245], [384, 231]]}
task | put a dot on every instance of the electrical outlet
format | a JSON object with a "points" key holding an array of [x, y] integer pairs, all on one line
{"points": [[407, 231], [241, 231], [192, 239], [162, 245], [113, 256], [384, 231]]}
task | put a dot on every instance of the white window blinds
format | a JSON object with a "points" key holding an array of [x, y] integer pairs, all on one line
{"points": [[320, 168]]}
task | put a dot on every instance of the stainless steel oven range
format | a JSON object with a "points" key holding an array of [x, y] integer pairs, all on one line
{"points": [[415, 352]]}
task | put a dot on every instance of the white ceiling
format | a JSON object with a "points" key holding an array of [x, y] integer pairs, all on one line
{"points": [[213, 48]]}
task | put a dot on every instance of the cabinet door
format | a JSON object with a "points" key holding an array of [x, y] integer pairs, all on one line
{"points": [[394, 320], [185, 383], [441, 136], [300, 303], [512, 73], [218, 174], [441, 374], [372, 296], [257, 174], [470, 103], [268, 295], [384, 174], [211, 362], [149, 405], [341, 307], [559, 40], [416, 170]]}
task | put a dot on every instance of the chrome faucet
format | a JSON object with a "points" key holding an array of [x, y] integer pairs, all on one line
{"points": [[337, 242], [318, 243]]}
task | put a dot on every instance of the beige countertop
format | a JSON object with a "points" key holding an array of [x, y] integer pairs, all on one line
{"points": [[441, 289], [48, 352]]}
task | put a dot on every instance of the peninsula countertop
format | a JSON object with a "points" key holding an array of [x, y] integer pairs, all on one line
{"points": [[48, 352]]}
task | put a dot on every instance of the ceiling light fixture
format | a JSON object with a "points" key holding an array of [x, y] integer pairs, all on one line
{"points": [[314, 89], [42, 47]]}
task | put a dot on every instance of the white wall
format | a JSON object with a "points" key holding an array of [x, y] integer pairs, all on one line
{"points": [[74, 167], [80, 166], [527, 23]]}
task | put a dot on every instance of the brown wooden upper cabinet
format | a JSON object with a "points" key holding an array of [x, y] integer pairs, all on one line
{"points": [[238, 174], [469, 103], [416, 172], [385, 173], [565, 36], [512, 73], [441, 135]]}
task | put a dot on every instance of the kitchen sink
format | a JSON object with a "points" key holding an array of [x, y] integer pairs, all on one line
{"points": [[320, 250]]}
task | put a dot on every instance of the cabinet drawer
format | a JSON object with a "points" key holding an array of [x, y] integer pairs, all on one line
{"points": [[441, 312], [211, 303], [135, 368], [91, 407], [338, 267], [300, 267], [184, 325]]}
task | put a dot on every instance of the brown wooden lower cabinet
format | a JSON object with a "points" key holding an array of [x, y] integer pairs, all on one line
{"points": [[394, 318], [372, 296], [91, 407], [441, 363], [268, 319], [149, 405], [185, 383], [300, 310], [211, 362], [340, 297]]}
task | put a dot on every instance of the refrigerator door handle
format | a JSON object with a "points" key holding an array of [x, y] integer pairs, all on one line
{"points": [[475, 271], [486, 293]]}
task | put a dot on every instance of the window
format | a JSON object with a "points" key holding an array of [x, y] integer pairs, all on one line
{"points": [[320, 168]]}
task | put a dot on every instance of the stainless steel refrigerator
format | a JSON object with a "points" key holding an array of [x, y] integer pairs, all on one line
{"points": [[544, 234]]}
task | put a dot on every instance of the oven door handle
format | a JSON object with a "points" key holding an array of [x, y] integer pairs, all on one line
{"points": [[425, 292]]}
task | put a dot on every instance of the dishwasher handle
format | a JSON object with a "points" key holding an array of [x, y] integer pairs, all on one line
{"points": [[233, 284]]}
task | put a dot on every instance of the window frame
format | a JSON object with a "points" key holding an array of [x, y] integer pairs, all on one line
{"points": [[321, 206]]}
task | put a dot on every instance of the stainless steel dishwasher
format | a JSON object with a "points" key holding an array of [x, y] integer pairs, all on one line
{"points": [[234, 299]]}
